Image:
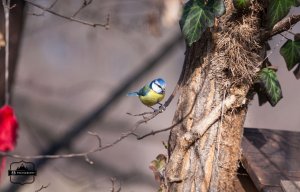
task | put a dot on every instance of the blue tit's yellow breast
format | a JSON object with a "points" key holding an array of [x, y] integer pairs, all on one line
{"points": [[151, 98]]}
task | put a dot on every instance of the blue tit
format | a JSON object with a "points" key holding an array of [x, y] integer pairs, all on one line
{"points": [[152, 93]]}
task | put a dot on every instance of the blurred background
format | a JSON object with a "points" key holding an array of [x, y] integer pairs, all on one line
{"points": [[66, 71]]}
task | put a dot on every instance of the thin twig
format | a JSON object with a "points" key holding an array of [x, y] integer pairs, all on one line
{"points": [[283, 36], [52, 5], [140, 114], [42, 13], [113, 181], [290, 32], [42, 187], [84, 4], [163, 130], [84, 154], [106, 24], [155, 132]]}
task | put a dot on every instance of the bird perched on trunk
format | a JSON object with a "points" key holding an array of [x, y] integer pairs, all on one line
{"points": [[152, 93]]}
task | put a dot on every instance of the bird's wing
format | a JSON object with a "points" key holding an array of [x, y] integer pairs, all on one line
{"points": [[143, 91]]}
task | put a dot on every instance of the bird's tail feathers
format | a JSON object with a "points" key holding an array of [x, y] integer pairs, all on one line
{"points": [[133, 94]]}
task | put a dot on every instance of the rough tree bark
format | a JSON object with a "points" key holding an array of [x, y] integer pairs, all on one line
{"points": [[222, 64]]}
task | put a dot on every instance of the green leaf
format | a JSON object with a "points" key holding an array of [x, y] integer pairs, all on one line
{"points": [[291, 53], [278, 9], [270, 85], [217, 7], [195, 19], [241, 4]]}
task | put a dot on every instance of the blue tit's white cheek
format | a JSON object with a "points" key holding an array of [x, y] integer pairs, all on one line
{"points": [[156, 88]]}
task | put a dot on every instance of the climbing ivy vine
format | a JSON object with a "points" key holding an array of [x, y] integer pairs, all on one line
{"points": [[198, 15]]}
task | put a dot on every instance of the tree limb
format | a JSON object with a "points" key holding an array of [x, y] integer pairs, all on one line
{"points": [[283, 25]]}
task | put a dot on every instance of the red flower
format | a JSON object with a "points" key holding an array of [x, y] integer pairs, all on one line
{"points": [[8, 128], [8, 131]]}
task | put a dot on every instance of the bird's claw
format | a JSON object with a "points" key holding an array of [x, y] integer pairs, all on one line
{"points": [[162, 108]]}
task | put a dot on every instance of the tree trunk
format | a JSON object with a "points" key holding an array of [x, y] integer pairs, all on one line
{"points": [[223, 63], [16, 23]]}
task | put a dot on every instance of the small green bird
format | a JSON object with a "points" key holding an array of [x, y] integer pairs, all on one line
{"points": [[152, 93]]}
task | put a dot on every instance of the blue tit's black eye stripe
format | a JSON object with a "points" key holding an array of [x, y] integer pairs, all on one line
{"points": [[158, 85]]}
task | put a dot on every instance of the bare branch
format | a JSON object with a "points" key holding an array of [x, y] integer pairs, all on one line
{"points": [[84, 155], [106, 25], [42, 187], [140, 114], [161, 130], [283, 25], [97, 136], [155, 132], [42, 13]]}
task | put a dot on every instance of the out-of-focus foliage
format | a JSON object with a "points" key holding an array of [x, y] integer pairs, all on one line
{"points": [[197, 16], [291, 53], [278, 9]]}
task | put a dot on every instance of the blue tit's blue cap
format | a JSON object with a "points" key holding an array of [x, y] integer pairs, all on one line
{"points": [[161, 82]]}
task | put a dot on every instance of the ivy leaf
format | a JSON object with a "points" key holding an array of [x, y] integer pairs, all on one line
{"points": [[158, 166], [241, 4], [291, 53], [278, 9], [262, 97], [297, 72], [195, 19], [217, 7], [270, 85]]}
